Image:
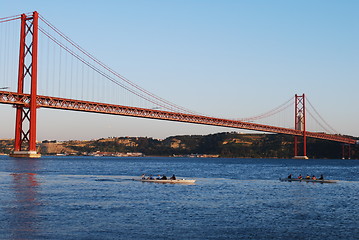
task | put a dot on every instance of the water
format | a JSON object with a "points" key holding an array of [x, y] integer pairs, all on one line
{"points": [[96, 198]]}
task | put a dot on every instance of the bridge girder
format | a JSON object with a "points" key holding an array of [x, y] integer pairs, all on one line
{"points": [[87, 106]]}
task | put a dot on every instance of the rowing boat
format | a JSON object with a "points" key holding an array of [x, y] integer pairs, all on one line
{"points": [[181, 181], [307, 180]]}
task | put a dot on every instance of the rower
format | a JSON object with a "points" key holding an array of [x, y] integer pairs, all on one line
{"points": [[300, 176], [321, 177], [290, 176], [314, 177], [173, 177]]}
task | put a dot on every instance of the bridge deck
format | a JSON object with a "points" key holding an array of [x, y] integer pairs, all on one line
{"points": [[86, 106]]}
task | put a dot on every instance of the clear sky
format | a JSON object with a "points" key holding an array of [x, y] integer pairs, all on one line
{"points": [[227, 58]]}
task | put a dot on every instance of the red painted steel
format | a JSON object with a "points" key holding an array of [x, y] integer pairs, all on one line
{"points": [[20, 85], [27, 104], [27, 114], [33, 102], [300, 124], [86, 106], [304, 128], [295, 125]]}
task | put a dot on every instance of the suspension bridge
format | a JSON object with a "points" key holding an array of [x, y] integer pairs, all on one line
{"points": [[49, 70]]}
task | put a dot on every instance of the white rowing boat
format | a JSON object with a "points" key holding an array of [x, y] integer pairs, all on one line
{"points": [[181, 181], [307, 180]]}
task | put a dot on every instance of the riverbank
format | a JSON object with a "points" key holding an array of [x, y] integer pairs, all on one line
{"points": [[231, 145]]}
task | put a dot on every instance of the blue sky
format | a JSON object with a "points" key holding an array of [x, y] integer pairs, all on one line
{"points": [[224, 58]]}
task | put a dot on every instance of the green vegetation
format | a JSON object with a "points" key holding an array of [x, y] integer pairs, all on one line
{"points": [[221, 144], [6, 146]]}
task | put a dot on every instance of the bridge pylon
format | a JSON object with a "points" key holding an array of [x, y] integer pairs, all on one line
{"points": [[300, 124], [25, 125]]}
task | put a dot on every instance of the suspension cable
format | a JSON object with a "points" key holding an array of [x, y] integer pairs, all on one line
{"points": [[172, 105], [316, 120], [276, 110], [11, 18], [102, 72], [332, 129]]}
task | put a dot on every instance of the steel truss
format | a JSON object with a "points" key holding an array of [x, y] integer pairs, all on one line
{"points": [[95, 107]]}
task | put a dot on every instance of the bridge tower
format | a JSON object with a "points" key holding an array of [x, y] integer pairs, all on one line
{"points": [[299, 121], [25, 125]]}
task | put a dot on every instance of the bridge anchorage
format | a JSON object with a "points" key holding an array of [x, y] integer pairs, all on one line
{"points": [[26, 101]]}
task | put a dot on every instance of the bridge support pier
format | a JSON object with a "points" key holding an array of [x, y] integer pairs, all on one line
{"points": [[346, 151], [25, 154], [300, 157], [25, 125]]}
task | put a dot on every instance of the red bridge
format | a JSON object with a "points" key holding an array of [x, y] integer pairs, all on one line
{"points": [[27, 99]]}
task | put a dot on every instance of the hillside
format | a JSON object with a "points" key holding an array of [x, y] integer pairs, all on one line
{"points": [[220, 144]]}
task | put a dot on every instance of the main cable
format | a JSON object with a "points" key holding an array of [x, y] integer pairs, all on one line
{"points": [[100, 71], [270, 113], [166, 102], [11, 18], [327, 124]]}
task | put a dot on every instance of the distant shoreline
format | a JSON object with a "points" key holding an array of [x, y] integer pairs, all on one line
{"points": [[224, 145]]}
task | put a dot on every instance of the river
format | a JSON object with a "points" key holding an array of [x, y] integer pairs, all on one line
{"points": [[96, 198]]}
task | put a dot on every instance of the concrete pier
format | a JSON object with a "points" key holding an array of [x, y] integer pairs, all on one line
{"points": [[300, 157], [25, 154]]}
